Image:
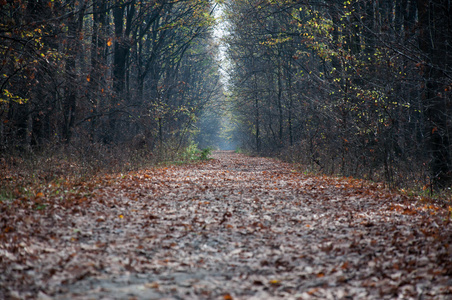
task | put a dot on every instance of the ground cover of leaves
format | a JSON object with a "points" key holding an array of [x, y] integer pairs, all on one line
{"points": [[234, 227]]}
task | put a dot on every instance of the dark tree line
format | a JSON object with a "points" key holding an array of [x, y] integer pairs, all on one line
{"points": [[352, 87], [104, 71]]}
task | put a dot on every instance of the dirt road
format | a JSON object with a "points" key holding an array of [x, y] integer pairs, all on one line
{"points": [[233, 227]]}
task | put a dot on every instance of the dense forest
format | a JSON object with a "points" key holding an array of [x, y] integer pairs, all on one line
{"points": [[85, 74], [358, 88]]}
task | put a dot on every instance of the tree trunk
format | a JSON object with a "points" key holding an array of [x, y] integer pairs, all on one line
{"points": [[75, 22], [98, 61], [119, 69]]}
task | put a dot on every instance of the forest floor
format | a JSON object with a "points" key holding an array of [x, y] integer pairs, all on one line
{"points": [[234, 227]]}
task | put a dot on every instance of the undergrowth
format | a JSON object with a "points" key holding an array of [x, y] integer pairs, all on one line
{"points": [[406, 179], [192, 153], [34, 175]]}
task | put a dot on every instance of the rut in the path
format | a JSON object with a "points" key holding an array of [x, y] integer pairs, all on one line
{"points": [[234, 227]]}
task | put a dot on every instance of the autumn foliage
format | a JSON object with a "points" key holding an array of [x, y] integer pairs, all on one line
{"points": [[357, 88]]}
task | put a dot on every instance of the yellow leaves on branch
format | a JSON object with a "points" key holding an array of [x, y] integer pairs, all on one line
{"points": [[7, 96]]}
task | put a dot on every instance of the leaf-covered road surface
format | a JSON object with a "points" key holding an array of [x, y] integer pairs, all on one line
{"points": [[233, 227]]}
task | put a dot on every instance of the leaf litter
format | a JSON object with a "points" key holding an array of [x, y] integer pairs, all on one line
{"points": [[234, 227]]}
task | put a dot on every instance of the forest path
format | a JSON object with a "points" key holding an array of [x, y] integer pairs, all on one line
{"points": [[234, 227]]}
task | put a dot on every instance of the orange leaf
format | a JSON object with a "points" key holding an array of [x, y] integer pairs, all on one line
{"points": [[227, 297], [39, 195], [109, 42], [88, 78], [8, 229], [121, 216]]}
